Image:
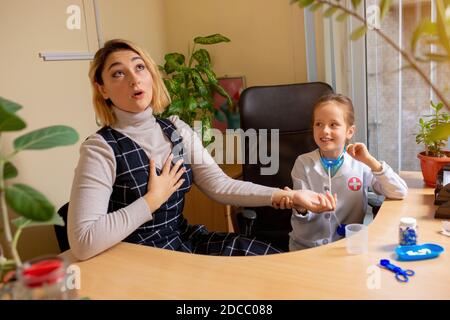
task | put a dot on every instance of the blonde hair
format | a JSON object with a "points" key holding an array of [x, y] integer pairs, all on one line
{"points": [[102, 107], [349, 112]]}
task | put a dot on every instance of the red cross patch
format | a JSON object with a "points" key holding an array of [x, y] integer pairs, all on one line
{"points": [[354, 184]]}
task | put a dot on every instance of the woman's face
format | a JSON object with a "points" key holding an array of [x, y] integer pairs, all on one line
{"points": [[126, 81], [331, 130]]}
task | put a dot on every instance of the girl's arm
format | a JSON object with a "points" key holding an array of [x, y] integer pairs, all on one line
{"points": [[388, 183], [384, 180]]}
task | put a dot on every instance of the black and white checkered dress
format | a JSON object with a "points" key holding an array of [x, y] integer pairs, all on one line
{"points": [[168, 229]]}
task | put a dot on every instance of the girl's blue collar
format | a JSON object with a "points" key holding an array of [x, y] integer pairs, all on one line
{"points": [[329, 163]]}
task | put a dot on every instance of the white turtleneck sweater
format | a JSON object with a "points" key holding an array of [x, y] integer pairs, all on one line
{"points": [[91, 229]]}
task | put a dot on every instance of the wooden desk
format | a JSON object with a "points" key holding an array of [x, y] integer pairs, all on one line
{"points": [[129, 271]]}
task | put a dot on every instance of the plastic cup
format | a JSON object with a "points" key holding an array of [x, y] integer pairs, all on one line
{"points": [[357, 238]]}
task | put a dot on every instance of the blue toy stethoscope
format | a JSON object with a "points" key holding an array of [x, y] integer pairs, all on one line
{"points": [[330, 164]]}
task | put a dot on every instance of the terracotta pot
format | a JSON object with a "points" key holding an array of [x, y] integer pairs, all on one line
{"points": [[431, 166]]}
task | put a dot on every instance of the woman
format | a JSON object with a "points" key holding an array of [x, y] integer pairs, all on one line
{"points": [[131, 180]]}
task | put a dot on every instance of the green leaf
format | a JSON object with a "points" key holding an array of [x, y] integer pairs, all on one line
{"points": [[330, 11], [219, 115], [315, 6], [180, 77], [176, 106], [45, 138], [23, 222], [220, 90], [206, 130], [342, 16], [384, 7], [441, 132], [169, 86], [356, 3], [421, 121], [211, 39], [424, 28], [207, 105], [212, 79], [443, 25], [29, 202], [202, 57], [173, 86], [192, 104], [199, 84], [173, 62], [9, 106], [437, 57], [10, 171], [8, 120], [358, 33], [304, 3]]}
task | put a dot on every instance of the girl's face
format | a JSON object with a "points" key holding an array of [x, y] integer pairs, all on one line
{"points": [[330, 129], [126, 81]]}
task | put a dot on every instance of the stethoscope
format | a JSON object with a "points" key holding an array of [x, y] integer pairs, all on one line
{"points": [[329, 164]]}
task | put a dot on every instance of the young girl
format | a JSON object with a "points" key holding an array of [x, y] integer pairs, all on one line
{"points": [[345, 171]]}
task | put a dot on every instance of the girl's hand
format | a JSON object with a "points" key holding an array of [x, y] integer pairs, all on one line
{"points": [[161, 187], [315, 202], [358, 151], [282, 199]]}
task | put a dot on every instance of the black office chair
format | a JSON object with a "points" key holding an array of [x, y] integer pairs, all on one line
{"points": [[287, 108], [61, 232]]}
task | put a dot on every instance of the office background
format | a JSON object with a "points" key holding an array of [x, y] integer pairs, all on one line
{"points": [[272, 42]]}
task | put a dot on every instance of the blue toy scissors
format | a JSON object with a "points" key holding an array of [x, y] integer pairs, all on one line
{"points": [[400, 274]]}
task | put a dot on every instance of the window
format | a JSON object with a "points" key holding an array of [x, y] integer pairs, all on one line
{"points": [[388, 96]]}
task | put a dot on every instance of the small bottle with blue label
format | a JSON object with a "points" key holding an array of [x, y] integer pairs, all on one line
{"points": [[408, 231]]}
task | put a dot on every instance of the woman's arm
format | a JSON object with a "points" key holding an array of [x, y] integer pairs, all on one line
{"points": [[91, 229], [217, 185], [306, 199], [212, 181]]}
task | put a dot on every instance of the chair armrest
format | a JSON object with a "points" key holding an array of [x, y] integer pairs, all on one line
{"points": [[245, 220], [375, 202]]}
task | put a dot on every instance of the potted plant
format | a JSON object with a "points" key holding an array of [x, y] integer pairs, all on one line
{"points": [[434, 157], [33, 208], [191, 84]]}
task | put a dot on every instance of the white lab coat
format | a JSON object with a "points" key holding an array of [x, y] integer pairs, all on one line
{"points": [[350, 183]]}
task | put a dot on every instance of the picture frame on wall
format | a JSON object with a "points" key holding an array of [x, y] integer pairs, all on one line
{"points": [[226, 117]]}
